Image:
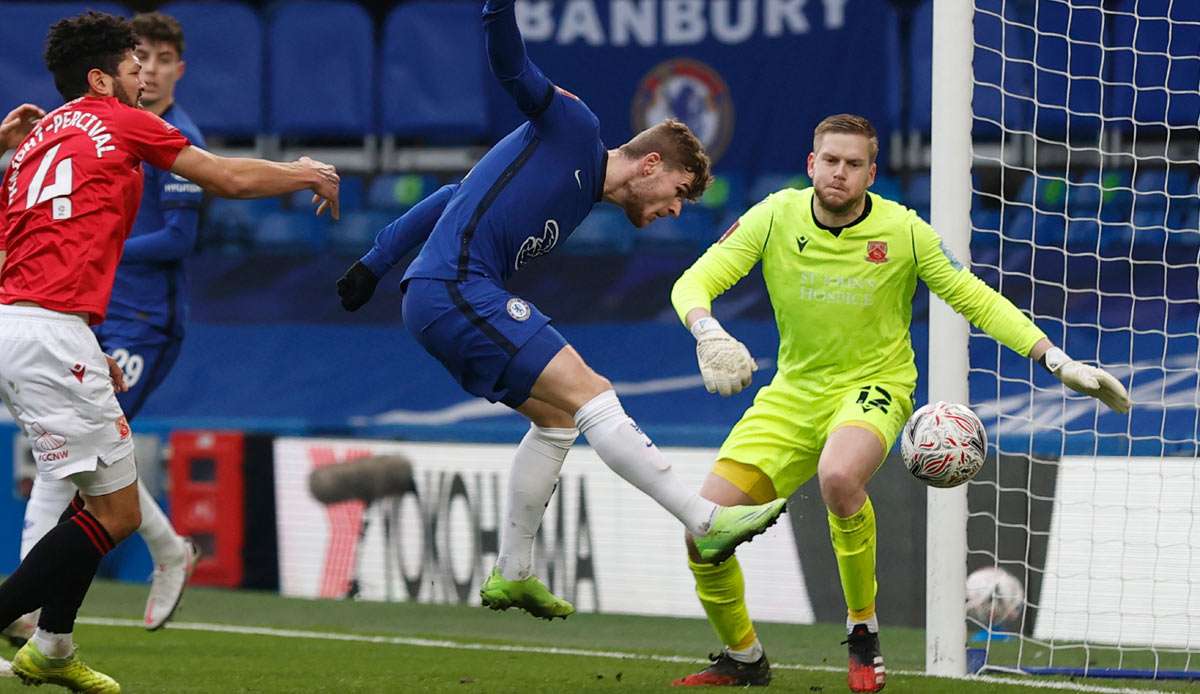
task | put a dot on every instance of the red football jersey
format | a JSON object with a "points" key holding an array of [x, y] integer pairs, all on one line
{"points": [[69, 198]]}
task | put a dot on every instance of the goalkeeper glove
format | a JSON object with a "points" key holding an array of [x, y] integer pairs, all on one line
{"points": [[1088, 380], [356, 286], [725, 363]]}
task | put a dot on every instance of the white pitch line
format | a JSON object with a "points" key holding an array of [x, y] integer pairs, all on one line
{"points": [[551, 650]]}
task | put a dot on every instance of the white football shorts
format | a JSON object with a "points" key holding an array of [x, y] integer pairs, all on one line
{"points": [[55, 382]]}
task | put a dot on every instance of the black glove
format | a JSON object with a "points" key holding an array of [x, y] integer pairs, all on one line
{"points": [[356, 286]]}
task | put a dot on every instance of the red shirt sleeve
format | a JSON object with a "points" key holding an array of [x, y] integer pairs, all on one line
{"points": [[3, 209], [150, 138]]}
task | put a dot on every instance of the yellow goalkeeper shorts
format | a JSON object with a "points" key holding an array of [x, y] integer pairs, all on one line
{"points": [[783, 432]]}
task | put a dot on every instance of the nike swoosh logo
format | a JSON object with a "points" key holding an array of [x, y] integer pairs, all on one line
{"points": [[577, 179]]}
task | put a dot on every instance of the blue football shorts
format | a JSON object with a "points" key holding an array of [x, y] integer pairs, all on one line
{"points": [[493, 343]]}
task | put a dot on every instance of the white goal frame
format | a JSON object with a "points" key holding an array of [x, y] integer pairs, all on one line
{"points": [[950, 214]]}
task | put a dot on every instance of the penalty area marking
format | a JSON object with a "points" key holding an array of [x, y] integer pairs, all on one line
{"points": [[552, 650]]}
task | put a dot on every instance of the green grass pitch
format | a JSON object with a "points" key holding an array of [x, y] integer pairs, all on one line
{"points": [[288, 645]]}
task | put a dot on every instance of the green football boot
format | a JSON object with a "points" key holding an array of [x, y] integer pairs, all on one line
{"points": [[529, 594], [733, 525], [36, 669]]}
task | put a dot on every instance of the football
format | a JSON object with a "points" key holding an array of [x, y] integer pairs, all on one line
{"points": [[943, 444], [994, 596]]}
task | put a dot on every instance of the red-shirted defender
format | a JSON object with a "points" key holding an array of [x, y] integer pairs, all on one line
{"points": [[67, 202]]}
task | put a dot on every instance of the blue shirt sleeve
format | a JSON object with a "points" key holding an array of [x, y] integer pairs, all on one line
{"points": [[176, 191], [407, 231], [174, 241], [506, 52]]}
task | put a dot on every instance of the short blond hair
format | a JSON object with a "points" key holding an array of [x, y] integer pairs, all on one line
{"points": [[680, 150], [849, 124]]}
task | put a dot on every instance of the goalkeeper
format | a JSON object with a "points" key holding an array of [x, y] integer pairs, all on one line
{"points": [[840, 266]]}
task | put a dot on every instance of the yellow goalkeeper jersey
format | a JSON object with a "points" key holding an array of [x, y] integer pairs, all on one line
{"points": [[843, 299]]}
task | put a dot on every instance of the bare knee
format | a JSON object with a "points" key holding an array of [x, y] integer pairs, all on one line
{"points": [[596, 384], [119, 522], [120, 512], [840, 490], [554, 419]]}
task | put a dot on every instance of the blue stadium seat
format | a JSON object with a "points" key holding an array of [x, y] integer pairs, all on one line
{"points": [[1044, 193], [230, 224], [726, 192], [1154, 84], [1051, 192], [888, 187], [920, 81], [985, 220], [917, 195], [397, 192], [604, 231], [223, 46], [1150, 197], [1083, 194], [1083, 236], [1069, 60], [694, 230], [23, 28], [1183, 202], [1051, 231], [356, 231], [769, 182], [321, 69], [1019, 223], [1116, 199], [1004, 75], [433, 72], [290, 232]]}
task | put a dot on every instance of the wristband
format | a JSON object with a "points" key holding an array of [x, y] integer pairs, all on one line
{"points": [[704, 325], [1053, 359]]}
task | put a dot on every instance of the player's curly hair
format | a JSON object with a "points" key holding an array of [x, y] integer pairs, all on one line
{"points": [[157, 27], [679, 148], [76, 45]]}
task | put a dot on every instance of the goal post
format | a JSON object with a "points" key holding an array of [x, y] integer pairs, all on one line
{"points": [[950, 214], [1065, 169]]}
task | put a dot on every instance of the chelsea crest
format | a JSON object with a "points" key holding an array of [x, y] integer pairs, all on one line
{"points": [[692, 92]]}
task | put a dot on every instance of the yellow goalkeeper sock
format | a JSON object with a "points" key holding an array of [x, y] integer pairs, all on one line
{"points": [[854, 544], [722, 592]]}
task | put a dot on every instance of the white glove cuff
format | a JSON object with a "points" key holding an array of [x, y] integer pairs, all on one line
{"points": [[1053, 359], [704, 325]]}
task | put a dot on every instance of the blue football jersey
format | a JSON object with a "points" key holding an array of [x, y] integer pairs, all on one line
{"points": [[529, 192], [150, 290], [522, 199]]}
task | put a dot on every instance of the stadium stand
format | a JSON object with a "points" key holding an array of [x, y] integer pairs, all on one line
{"points": [[23, 27], [328, 47], [223, 87], [432, 73]]}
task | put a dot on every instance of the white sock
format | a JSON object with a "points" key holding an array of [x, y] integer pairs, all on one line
{"points": [[53, 645], [47, 501], [750, 654], [531, 482], [164, 544], [872, 624], [632, 455]]}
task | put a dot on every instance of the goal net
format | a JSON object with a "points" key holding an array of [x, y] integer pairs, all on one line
{"points": [[1084, 206]]}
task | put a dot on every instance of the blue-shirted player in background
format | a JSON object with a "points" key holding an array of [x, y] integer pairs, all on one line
{"points": [[146, 315], [520, 201]]}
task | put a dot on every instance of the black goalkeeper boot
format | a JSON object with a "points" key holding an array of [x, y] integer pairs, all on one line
{"points": [[727, 672]]}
